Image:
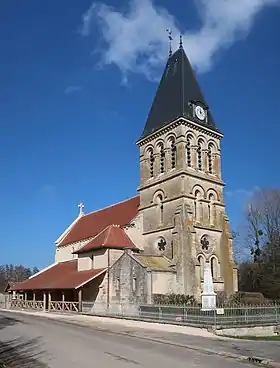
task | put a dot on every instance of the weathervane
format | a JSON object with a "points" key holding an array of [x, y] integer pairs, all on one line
{"points": [[169, 31]]}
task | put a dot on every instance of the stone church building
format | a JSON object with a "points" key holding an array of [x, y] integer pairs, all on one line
{"points": [[158, 241]]}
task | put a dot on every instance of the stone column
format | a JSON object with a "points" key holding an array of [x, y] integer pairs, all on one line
{"points": [[217, 165], [149, 288], [144, 170], [80, 298], [44, 302], [181, 153], [194, 156], [50, 299], [156, 164], [212, 214], [205, 160], [199, 210]]}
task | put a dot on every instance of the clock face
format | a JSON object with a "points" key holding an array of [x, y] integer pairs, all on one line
{"points": [[200, 112]]}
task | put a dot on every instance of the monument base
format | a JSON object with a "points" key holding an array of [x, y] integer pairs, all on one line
{"points": [[208, 301]]}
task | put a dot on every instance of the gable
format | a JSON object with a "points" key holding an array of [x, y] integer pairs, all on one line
{"points": [[88, 226]]}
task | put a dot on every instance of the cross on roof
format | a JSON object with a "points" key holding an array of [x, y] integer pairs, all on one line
{"points": [[161, 245], [204, 243], [81, 206]]}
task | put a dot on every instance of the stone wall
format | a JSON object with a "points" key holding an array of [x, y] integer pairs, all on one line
{"points": [[64, 253], [128, 281]]}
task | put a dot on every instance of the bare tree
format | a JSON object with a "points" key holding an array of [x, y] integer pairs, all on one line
{"points": [[10, 272], [263, 238]]}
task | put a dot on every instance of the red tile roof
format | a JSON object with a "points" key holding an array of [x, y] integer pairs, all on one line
{"points": [[64, 275], [9, 286], [111, 237], [93, 223]]}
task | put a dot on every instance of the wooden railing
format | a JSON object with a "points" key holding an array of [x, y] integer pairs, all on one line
{"points": [[55, 306], [27, 304]]}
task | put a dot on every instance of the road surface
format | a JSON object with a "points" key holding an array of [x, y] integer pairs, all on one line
{"points": [[64, 345]]}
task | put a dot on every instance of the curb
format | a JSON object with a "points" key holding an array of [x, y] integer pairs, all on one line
{"points": [[260, 361]]}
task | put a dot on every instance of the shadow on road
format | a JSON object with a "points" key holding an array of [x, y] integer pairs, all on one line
{"points": [[19, 352], [8, 321]]}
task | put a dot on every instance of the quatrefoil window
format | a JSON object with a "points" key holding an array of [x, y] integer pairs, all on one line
{"points": [[161, 245], [204, 243]]}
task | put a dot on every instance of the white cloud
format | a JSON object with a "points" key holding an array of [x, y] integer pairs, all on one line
{"points": [[48, 190], [72, 89], [135, 40], [241, 193]]}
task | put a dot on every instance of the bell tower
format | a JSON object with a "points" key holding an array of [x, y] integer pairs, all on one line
{"points": [[181, 187]]}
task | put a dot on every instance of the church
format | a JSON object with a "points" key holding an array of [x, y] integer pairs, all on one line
{"points": [[159, 241]]}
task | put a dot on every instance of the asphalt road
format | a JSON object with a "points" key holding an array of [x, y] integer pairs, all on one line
{"points": [[57, 344]]}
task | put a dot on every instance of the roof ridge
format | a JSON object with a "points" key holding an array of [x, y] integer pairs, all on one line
{"points": [[97, 235], [108, 233], [151, 255], [111, 205]]}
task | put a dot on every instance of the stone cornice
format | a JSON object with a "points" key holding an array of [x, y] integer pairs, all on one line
{"points": [[172, 174], [207, 228], [171, 126], [159, 230], [180, 196]]}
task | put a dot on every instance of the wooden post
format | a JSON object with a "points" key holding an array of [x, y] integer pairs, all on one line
{"points": [[80, 298], [50, 299], [45, 302], [25, 296], [63, 296], [34, 296]]}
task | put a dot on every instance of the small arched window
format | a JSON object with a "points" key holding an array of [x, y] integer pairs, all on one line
{"points": [[197, 207], [214, 267], [159, 201], [162, 159], [134, 284], [118, 284], [173, 154], [211, 209], [210, 161], [199, 156], [188, 152], [201, 266], [152, 160]]}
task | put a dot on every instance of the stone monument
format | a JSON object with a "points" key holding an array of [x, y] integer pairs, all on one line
{"points": [[208, 296]]}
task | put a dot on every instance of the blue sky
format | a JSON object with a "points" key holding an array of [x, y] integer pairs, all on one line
{"points": [[72, 72]]}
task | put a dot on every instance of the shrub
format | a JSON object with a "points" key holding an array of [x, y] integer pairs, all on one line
{"points": [[174, 299]]}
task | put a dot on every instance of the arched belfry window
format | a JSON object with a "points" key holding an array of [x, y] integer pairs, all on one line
{"points": [[188, 152], [199, 156], [173, 153], [210, 160], [162, 159], [151, 162]]}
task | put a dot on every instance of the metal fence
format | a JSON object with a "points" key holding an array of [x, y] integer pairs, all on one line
{"points": [[227, 317]]}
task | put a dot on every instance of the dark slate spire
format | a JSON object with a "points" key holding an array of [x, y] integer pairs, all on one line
{"points": [[177, 94]]}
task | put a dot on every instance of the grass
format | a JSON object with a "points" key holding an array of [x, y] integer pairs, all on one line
{"points": [[259, 338]]}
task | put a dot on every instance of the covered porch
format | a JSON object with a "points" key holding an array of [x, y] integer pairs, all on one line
{"points": [[60, 288]]}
